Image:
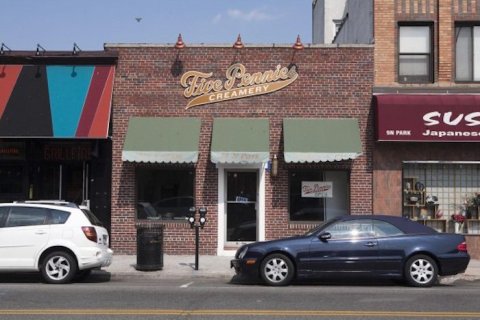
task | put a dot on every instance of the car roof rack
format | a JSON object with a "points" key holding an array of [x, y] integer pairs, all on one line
{"points": [[50, 202]]}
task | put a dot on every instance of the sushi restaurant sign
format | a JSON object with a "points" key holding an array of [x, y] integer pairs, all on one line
{"points": [[238, 84]]}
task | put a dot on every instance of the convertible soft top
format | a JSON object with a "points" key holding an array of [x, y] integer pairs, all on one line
{"points": [[406, 225]]}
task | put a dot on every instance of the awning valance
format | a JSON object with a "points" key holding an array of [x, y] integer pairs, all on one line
{"points": [[240, 140], [169, 140], [320, 140], [428, 117], [55, 101]]}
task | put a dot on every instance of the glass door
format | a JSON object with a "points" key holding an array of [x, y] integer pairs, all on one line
{"points": [[241, 207]]}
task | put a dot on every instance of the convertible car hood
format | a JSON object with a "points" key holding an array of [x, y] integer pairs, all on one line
{"points": [[278, 242]]}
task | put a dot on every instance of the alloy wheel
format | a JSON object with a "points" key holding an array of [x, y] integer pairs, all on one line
{"points": [[421, 271], [277, 269], [58, 268]]}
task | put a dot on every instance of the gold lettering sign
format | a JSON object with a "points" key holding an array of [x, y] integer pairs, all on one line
{"points": [[238, 84]]}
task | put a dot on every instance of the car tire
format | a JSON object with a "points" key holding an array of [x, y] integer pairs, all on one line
{"points": [[277, 270], [58, 267], [421, 271], [82, 274]]}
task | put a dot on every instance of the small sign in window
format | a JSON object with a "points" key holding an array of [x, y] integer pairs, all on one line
{"points": [[317, 189], [241, 199]]}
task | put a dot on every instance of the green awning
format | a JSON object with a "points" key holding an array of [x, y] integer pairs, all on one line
{"points": [[240, 140], [320, 140], [170, 140]]}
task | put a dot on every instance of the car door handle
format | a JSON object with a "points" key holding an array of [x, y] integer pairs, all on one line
{"points": [[40, 232], [370, 244]]}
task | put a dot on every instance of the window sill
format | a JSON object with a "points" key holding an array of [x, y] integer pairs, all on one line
{"points": [[303, 225]]}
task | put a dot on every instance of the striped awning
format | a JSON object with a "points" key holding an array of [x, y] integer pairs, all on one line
{"points": [[55, 101]]}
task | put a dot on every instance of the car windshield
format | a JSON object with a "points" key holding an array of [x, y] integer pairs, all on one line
{"points": [[92, 218]]}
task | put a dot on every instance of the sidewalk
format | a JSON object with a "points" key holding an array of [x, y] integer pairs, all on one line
{"points": [[174, 267], [177, 267]]}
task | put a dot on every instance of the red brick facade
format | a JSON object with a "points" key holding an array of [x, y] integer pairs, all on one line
{"points": [[333, 82], [388, 157], [442, 14]]}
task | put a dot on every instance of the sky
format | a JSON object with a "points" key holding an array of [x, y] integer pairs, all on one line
{"points": [[57, 24]]}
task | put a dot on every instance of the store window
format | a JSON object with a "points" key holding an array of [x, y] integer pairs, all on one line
{"points": [[11, 182], [467, 53], [317, 195], [415, 57], [444, 196], [164, 194]]}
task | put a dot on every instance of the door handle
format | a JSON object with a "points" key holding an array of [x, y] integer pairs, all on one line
{"points": [[40, 232], [370, 244]]}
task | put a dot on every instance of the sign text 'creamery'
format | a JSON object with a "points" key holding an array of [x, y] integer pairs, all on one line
{"points": [[238, 84]]}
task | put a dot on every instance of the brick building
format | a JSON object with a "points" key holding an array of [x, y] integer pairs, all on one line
{"points": [[426, 161], [270, 140]]}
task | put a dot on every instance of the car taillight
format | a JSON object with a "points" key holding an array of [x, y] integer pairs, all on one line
{"points": [[462, 247], [90, 233]]}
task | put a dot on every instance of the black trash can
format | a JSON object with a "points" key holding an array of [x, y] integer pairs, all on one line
{"points": [[149, 247]]}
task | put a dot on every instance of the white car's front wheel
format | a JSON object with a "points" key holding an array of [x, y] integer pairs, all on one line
{"points": [[58, 267]]}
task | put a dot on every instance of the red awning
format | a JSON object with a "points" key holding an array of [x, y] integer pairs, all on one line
{"points": [[428, 117]]}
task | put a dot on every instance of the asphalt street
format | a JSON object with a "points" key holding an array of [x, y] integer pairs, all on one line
{"points": [[106, 297]]}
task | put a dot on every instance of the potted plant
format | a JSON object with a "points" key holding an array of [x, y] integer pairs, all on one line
{"points": [[458, 220], [471, 205]]}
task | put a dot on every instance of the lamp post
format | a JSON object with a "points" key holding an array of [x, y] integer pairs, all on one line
{"points": [[197, 225]]}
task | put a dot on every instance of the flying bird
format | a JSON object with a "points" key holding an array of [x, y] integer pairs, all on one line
{"points": [[138, 19]]}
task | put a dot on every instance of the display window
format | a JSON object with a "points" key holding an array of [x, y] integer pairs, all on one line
{"points": [[445, 196], [164, 194], [317, 195], [12, 181]]}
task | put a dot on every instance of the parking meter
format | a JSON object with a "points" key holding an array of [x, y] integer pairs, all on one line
{"points": [[191, 216], [203, 219]]}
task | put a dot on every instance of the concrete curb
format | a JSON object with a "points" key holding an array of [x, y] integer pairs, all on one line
{"points": [[218, 267]]}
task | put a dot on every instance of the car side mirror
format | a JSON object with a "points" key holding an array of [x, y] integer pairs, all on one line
{"points": [[324, 236]]}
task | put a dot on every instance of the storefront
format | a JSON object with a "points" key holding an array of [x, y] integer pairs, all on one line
{"points": [[271, 141], [427, 162], [54, 128]]}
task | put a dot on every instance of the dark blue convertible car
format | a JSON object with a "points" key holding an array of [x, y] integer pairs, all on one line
{"points": [[373, 245]]}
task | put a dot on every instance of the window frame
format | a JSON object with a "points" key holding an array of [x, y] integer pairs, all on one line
{"points": [[471, 26], [430, 64]]}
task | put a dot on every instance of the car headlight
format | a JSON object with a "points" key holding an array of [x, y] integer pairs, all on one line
{"points": [[242, 253]]}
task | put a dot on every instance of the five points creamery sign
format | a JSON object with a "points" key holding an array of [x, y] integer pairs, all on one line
{"points": [[238, 84]]}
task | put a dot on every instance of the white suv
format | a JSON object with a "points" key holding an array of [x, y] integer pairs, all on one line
{"points": [[60, 239]]}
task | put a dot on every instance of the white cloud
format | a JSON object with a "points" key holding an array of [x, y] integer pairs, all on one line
{"points": [[254, 15], [217, 18]]}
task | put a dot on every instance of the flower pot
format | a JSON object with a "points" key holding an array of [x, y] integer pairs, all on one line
{"points": [[458, 227]]}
